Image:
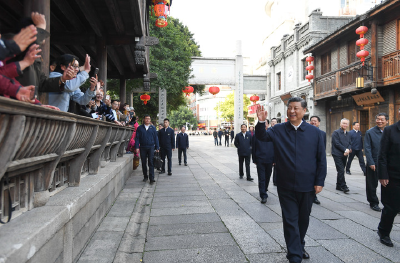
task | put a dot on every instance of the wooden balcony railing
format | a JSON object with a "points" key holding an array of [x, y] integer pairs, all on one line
{"points": [[391, 68], [43, 151]]}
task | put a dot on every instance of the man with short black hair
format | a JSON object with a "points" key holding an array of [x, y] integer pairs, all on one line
{"points": [[300, 158], [316, 121], [372, 144], [182, 144], [243, 143], [357, 148], [166, 136], [273, 122], [220, 136]]}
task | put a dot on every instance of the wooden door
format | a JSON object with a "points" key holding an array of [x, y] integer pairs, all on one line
{"points": [[364, 122]]}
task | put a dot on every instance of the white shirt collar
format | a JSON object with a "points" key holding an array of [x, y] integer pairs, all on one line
{"points": [[356, 130], [244, 134], [147, 126], [296, 127]]}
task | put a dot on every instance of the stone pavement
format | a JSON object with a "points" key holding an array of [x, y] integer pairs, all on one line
{"points": [[205, 213]]}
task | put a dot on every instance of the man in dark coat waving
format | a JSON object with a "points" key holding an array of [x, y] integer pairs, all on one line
{"points": [[301, 167]]}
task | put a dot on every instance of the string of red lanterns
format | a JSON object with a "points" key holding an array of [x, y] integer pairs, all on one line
{"points": [[362, 54], [161, 9], [310, 68]]}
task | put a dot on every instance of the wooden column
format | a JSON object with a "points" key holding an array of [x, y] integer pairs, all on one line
{"points": [[122, 89], [101, 52]]}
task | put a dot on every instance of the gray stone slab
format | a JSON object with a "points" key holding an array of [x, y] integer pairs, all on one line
{"points": [[111, 223], [277, 235], [349, 250], [185, 219], [189, 241], [260, 212], [179, 204], [337, 196], [123, 257], [319, 230], [132, 244], [181, 193], [137, 229], [271, 226], [268, 258], [122, 208], [323, 213], [361, 218], [227, 207], [164, 189], [215, 192], [185, 229], [356, 206], [333, 205], [180, 198], [181, 210]]}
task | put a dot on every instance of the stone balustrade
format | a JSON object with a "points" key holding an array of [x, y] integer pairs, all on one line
{"points": [[43, 151]]}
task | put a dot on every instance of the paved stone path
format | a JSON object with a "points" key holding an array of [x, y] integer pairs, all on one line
{"points": [[205, 213]]}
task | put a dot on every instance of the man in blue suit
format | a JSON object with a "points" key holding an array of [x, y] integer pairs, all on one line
{"points": [[243, 145], [300, 159], [316, 121], [166, 137], [220, 136], [182, 144], [263, 158], [146, 139], [356, 147]]}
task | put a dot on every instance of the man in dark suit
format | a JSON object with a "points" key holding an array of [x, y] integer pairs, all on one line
{"points": [[167, 145], [146, 138], [215, 135], [226, 133], [372, 144], [263, 158], [341, 148], [300, 158], [243, 145], [232, 135], [389, 177], [182, 144], [220, 136], [316, 121], [356, 147]]}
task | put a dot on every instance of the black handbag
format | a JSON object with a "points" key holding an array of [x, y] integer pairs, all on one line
{"points": [[157, 162]]}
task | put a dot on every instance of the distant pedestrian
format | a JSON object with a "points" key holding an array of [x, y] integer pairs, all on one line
{"points": [[243, 145], [182, 144], [273, 122], [300, 159], [341, 148], [145, 142], [372, 144], [389, 177], [166, 137], [232, 135], [263, 158], [215, 135], [316, 121], [226, 133], [356, 148], [220, 136]]}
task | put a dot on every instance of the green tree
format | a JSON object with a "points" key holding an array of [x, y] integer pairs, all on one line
{"points": [[178, 118], [226, 108]]}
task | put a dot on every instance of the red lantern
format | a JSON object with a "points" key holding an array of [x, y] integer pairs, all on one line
{"points": [[310, 59], [361, 31], [362, 54], [145, 98], [187, 90], [161, 22], [254, 99], [362, 42], [159, 9], [310, 68], [214, 90], [309, 77]]}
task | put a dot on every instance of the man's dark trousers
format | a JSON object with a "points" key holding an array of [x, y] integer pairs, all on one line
{"points": [[166, 152], [146, 155], [340, 163], [371, 185], [360, 156], [245, 159], [226, 140], [220, 138], [215, 141], [296, 207], [390, 197], [180, 151], [264, 171]]}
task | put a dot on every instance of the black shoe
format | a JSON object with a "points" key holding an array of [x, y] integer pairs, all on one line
{"points": [[179, 163], [169, 173], [152, 181], [185, 164], [376, 208], [344, 189], [305, 255], [316, 201], [162, 172], [348, 172], [250, 179], [145, 179], [241, 176], [264, 200], [385, 240]]}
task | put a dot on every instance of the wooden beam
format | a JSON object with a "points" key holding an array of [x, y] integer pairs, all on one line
{"points": [[57, 24], [114, 74], [90, 39], [115, 15], [64, 49], [122, 89], [130, 58], [115, 59], [91, 16], [101, 51], [15, 6], [137, 10], [69, 14]]}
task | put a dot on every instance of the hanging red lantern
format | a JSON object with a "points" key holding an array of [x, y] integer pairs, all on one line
{"points": [[214, 90], [310, 68], [254, 99], [309, 77], [159, 9], [362, 55], [188, 90], [310, 59], [145, 98], [361, 31], [362, 42], [161, 22]]}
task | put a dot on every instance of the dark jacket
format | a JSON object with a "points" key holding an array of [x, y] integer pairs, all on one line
{"points": [[182, 141], [215, 134], [356, 140], [232, 133], [8, 48], [340, 142], [243, 144], [262, 152], [372, 143], [226, 133], [166, 138], [324, 137], [220, 134], [146, 139], [299, 155], [389, 153]]}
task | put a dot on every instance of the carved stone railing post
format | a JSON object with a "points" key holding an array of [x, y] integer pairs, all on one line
{"points": [[95, 157], [116, 144]]}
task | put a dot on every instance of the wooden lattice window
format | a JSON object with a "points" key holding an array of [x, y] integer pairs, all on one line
{"points": [[351, 52], [279, 80], [398, 34], [326, 63], [305, 72]]}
